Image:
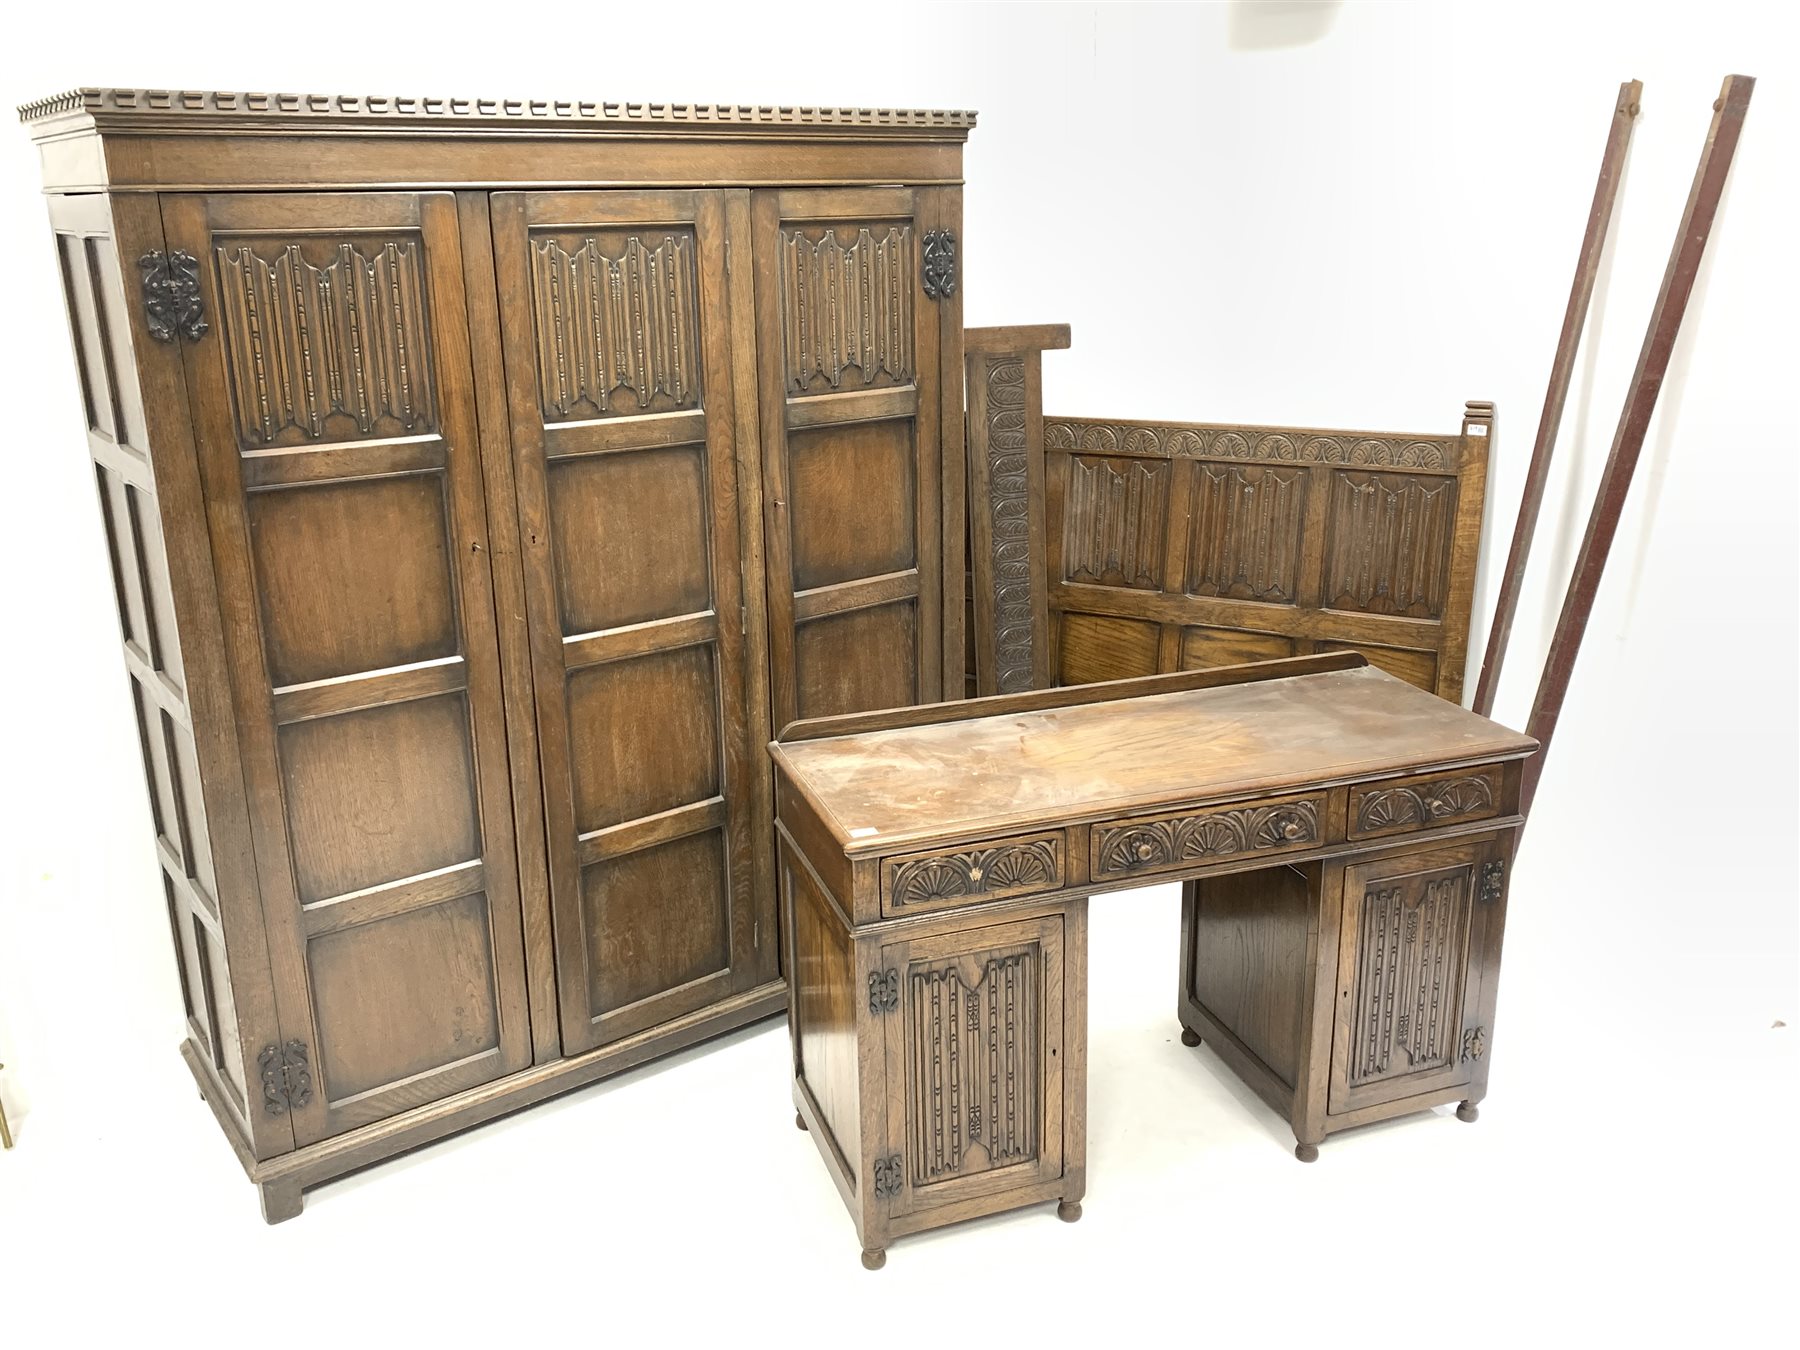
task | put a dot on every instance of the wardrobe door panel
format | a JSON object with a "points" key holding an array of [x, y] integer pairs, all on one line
{"points": [[618, 340], [337, 441], [851, 390]]}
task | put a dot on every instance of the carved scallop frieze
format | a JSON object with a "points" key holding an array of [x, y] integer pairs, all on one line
{"points": [[1016, 867], [1150, 845], [1423, 804], [1268, 444]]}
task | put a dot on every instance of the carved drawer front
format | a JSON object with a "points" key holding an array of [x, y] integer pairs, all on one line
{"points": [[1162, 843], [1426, 802], [918, 883]]}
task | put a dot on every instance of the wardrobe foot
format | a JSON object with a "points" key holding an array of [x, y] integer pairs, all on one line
{"points": [[1306, 1152], [1190, 1037], [799, 1121], [281, 1200], [1468, 1113], [874, 1258], [1069, 1211]]}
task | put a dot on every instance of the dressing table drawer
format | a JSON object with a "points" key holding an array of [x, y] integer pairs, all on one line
{"points": [[1400, 806], [1161, 843], [917, 883]]}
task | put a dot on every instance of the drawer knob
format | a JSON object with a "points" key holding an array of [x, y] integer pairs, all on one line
{"points": [[1291, 829], [1144, 851]]}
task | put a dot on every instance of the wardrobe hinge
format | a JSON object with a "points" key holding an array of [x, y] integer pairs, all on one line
{"points": [[172, 295], [743, 620], [940, 264], [286, 1077], [884, 990], [1493, 881]]}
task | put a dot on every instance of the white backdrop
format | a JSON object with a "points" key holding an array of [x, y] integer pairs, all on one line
{"points": [[1353, 214]]}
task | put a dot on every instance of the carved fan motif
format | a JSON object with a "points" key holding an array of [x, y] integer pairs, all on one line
{"points": [[1401, 807], [1156, 843], [1034, 864]]}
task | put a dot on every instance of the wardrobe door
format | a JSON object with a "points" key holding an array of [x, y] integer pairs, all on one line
{"points": [[850, 380], [618, 364], [332, 404]]}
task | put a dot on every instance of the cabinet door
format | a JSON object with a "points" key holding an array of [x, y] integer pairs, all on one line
{"points": [[618, 358], [851, 383], [1419, 932], [974, 1064], [336, 431]]}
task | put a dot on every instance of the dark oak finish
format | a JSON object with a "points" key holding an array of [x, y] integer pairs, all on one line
{"points": [[634, 584], [1343, 839], [431, 450], [1178, 546], [851, 394], [1562, 370]]}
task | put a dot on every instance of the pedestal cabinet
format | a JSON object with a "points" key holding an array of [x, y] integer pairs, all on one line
{"points": [[484, 483]]}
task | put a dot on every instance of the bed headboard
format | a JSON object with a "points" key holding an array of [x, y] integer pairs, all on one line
{"points": [[1179, 546]]}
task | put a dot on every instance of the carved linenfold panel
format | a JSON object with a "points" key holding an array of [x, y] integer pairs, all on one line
{"points": [[1406, 1015], [847, 307], [1277, 444], [1421, 805], [1146, 845], [326, 349], [1389, 547], [618, 329], [1113, 522], [1019, 867], [1246, 532], [1009, 511], [976, 1051]]}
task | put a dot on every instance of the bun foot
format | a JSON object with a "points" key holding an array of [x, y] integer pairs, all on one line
{"points": [[799, 1121], [874, 1258], [1468, 1113], [1189, 1037], [1306, 1152], [1069, 1211]]}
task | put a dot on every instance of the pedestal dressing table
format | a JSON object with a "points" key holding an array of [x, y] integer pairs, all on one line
{"points": [[1343, 840]]}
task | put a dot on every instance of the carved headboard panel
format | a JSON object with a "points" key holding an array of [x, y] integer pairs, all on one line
{"points": [[1177, 546]]}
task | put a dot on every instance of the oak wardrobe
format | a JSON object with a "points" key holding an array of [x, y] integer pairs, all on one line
{"points": [[485, 483]]}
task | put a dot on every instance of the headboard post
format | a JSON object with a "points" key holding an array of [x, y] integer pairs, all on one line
{"points": [[1006, 504]]}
